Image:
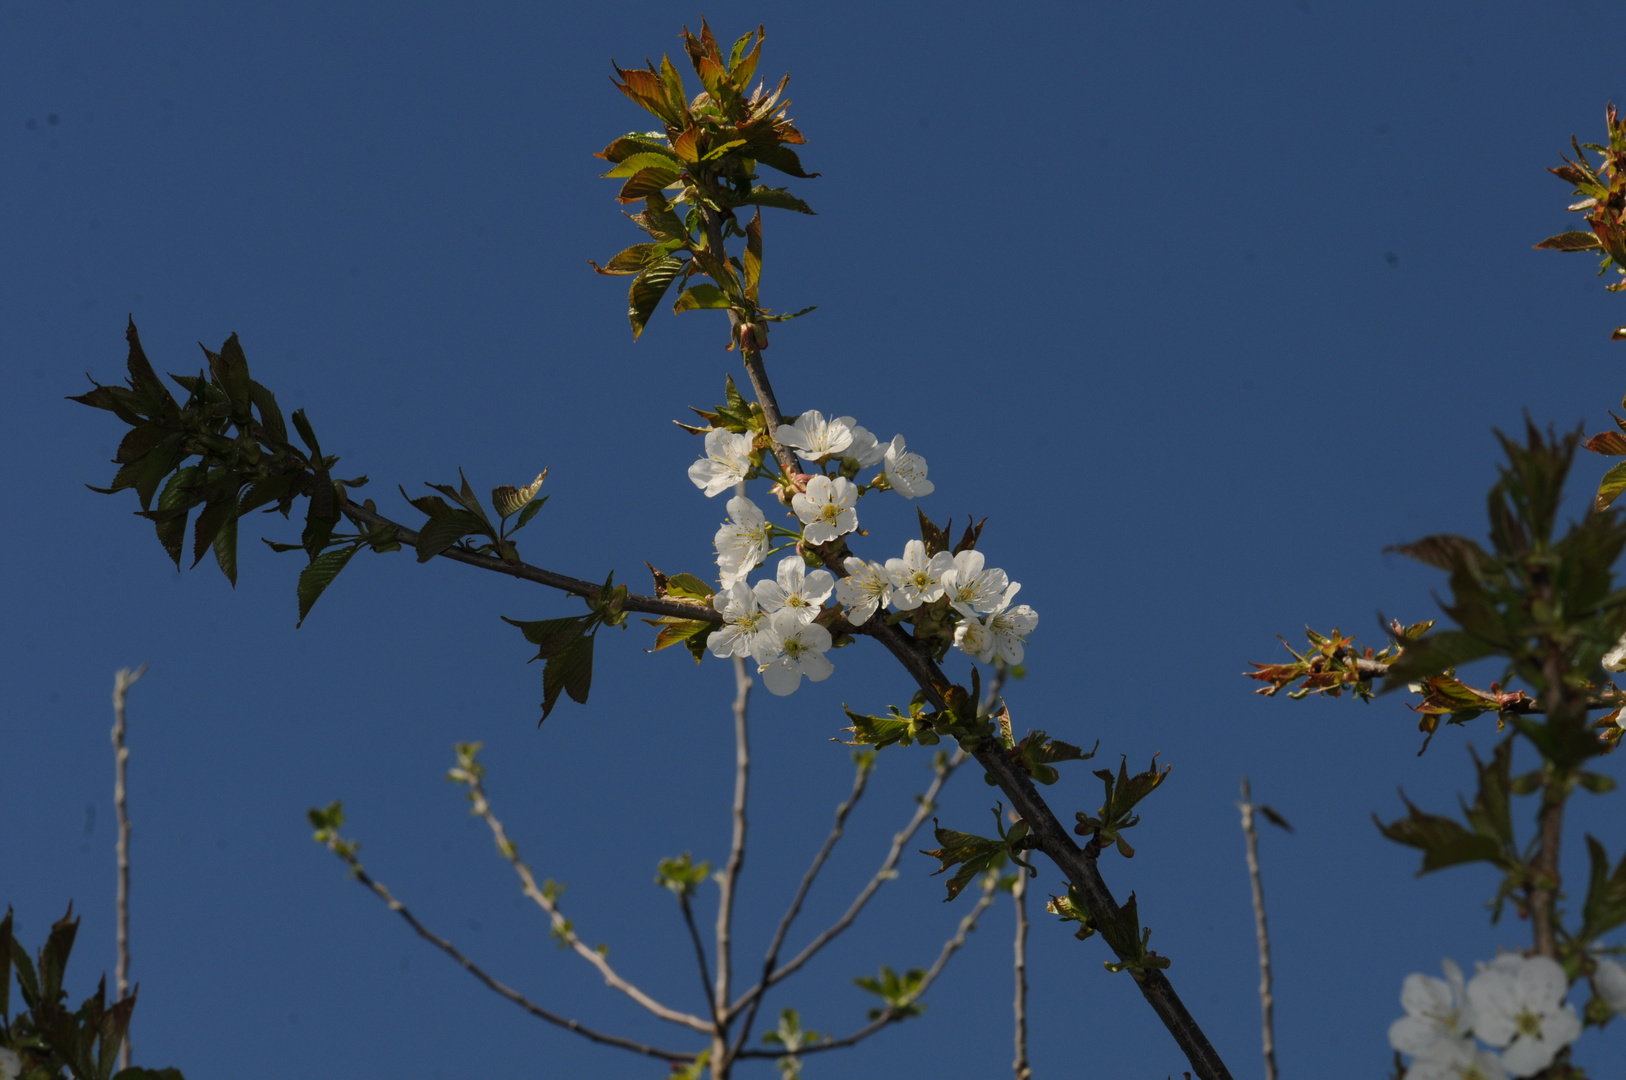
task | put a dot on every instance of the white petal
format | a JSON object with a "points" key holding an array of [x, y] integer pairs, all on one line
{"points": [[817, 667], [1610, 982], [781, 678]]}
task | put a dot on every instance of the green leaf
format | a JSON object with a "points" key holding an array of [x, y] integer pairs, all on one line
{"points": [[688, 587], [647, 290], [1605, 906], [1442, 841], [633, 164], [440, 533], [1445, 551], [897, 991], [682, 875], [550, 635], [230, 369], [303, 425], [752, 262], [265, 403], [883, 731], [525, 515], [673, 630], [776, 198], [782, 158], [570, 670], [1572, 241], [646, 182], [628, 145], [631, 260], [974, 854], [210, 521], [1610, 487], [316, 577], [225, 546], [1433, 655], [701, 297]]}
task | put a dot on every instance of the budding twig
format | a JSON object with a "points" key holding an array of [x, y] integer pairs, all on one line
{"points": [[122, 681]]}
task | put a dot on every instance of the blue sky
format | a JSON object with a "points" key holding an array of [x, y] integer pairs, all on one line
{"points": [[1201, 305]]}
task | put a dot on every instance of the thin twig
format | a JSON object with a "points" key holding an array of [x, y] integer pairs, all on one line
{"points": [[728, 879], [561, 926], [928, 802], [891, 1014], [860, 782], [474, 969], [699, 953], [122, 681], [1267, 1002], [1019, 894]]}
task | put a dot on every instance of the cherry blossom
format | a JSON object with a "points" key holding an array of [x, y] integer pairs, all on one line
{"points": [[866, 588], [968, 584], [801, 648], [906, 472], [1002, 633], [813, 437], [796, 590], [1436, 1010], [11, 1065], [918, 580], [1615, 659], [1610, 982], [1456, 1059], [742, 541], [826, 509], [1519, 1007], [727, 461], [865, 449], [746, 630]]}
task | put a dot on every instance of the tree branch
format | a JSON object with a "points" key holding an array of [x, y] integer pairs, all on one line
{"points": [[891, 1014], [122, 681], [700, 955], [561, 925], [860, 782], [728, 879], [649, 605], [1019, 895], [1267, 1002], [928, 803], [479, 973]]}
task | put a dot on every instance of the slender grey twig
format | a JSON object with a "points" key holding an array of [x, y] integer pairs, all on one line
{"points": [[1267, 1002], [891, 1014], [1019, 894], [860, 782], [478, 972], [699, 953], [728, 880], [122, 681]]}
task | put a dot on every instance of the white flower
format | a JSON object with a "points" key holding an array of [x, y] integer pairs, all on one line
{"points": [[727, 460], [1518, 1004], [1610, 983], [1436, 1011], [906, 472], [866, 588], [742, 542], [1456, 1059], [1003, 633], [969, 584], [827, 508], [746, 630], [801, 649], [796, 590], [1615, 659], [865, 449], [813, 437], [919, 580], [11, 1066]]}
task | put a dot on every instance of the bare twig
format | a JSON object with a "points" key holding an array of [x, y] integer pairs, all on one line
{"points": [[122, 681], [860, 782], [892, 1014], [548, 902], [699, 953], [1267, 1002], [336, 846], [1019, 894], [728, 879], [928, 802]]}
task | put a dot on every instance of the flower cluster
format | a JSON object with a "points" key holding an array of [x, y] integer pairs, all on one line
{"points": [[1514, 1004], [783, 624]]}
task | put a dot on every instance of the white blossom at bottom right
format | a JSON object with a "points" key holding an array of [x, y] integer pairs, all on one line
{"points": [[1519, 1007]]}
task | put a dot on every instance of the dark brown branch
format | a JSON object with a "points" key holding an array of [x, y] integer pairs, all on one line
{"points": [[699, 952], [1019, 896], [649, 605], [479, 973]]}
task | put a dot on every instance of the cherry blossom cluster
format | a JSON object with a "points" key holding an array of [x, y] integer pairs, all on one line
{"points": [[1514, 1005], [778, 622]]}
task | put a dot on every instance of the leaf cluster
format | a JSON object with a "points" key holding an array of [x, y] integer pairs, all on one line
{"points": [[896, 991], [704, 157], [979, 854], [1117, 814], [1600, 194], [1332, 664], [52, 1040], [682, 875], [566, 644], [692, 633]]}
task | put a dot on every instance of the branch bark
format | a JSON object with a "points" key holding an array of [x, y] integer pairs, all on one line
{"points": [[122, 681], [1267, 1002], [1019, 896], [728, 880]]}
